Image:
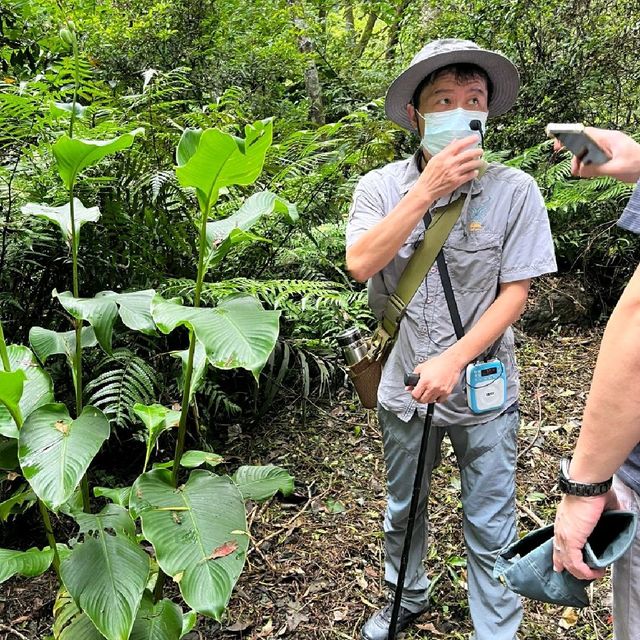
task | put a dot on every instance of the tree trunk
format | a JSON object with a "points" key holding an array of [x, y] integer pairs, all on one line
{"points": [[350, 24], [311, 78], [394, 30], [366, 35]]}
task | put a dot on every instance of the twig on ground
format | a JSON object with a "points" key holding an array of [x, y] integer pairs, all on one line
{"points": [[7, 629], [531, 515], [537, 433]]}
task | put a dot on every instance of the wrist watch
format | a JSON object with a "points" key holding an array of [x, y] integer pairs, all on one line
{"points": [[573, 488]]}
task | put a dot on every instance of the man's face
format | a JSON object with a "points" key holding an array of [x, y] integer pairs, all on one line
{"points": [[447, 93]]}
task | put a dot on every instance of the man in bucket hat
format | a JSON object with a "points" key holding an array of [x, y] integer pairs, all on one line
{"points": [[500, 241]]}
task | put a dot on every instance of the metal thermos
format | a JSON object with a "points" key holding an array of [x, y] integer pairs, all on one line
{"points": [[354, 346]]}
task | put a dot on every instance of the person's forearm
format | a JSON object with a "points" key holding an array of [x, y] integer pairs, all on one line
{"points": [[375, 249], [611, 421], [502, 313]]}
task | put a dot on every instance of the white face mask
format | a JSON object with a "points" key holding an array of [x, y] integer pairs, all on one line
{"points": [[443, 127]]}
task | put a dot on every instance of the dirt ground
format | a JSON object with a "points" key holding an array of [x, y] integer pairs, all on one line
{"points": [[314, 566]]}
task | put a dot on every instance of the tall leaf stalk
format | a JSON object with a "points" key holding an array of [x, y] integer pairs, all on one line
{"points": [[70, 36], [186, 394]]}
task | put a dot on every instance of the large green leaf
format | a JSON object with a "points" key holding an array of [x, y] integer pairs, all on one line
{"points": [[46, 343], [162, 621], [74, 154], [106, 573], [236, 333], [260, 483], [38, 388], [101, 312], [197, 531], [157, 419], [62, 217], [25, 563], [11, 386], [221, 160], [55, 451]]}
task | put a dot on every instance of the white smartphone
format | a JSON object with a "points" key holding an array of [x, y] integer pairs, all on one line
{"points": [[574, 138]]}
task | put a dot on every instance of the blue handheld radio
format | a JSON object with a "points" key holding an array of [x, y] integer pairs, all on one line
{"points": [[486, 385]]}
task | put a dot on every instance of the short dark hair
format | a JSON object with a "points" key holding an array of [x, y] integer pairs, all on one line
{"points": [[463, 72]]}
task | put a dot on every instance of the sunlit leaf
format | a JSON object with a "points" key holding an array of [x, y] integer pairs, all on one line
{"points": [[74, 154]]}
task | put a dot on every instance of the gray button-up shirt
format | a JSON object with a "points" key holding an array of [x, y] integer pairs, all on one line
{"points": [[502, 235]]}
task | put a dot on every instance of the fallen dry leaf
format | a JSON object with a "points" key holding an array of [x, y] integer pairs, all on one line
{"points": [[223, 550]]}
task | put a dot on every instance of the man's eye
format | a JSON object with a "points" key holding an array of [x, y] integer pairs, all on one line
{"points": [[444, 101], [474, 101]]}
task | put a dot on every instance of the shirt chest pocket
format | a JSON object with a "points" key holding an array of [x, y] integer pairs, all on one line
{"points": [[473, 261]]}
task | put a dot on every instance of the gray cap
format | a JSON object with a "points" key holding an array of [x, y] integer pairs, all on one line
{"points": [[440, 53]]}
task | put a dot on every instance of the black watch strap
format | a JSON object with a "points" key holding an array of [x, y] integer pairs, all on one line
{"points": [[573, 488]]}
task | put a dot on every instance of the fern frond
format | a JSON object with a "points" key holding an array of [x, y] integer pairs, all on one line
{"points": [[123, 379]]}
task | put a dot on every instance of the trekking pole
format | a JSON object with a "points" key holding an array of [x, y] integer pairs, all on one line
{"points": [[411, 379]]}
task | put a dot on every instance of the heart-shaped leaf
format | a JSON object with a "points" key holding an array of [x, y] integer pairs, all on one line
{"points": [[38, 388], [55, 451], [62, 217], [221, 159], [74, 154], [106, 574], [260, 483], [101, 311], [236, 333], [46, 343], [186, 525]]}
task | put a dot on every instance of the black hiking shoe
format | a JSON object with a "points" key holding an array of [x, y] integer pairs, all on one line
{"points": [[377, 626]]}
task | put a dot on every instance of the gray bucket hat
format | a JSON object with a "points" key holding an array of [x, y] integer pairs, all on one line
{"points": [[526, 566], [440, 53]]}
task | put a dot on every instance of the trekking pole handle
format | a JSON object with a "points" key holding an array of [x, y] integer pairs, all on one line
{"points": [[411, 379]]}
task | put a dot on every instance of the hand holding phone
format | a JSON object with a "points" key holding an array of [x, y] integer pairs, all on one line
{"points": [[574, 137]]}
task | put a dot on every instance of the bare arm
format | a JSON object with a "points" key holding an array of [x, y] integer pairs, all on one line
{"points": [[439, 375], [611, 421], [445, 172], [610, 430]]}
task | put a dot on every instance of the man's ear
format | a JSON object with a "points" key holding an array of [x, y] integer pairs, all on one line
{"points": [[413, 116]]}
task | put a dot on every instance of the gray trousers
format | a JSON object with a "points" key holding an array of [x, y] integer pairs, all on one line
{"points": [[626, 575], [486, 456]]}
